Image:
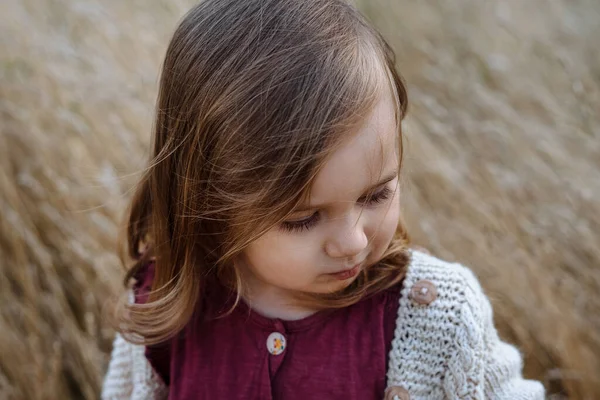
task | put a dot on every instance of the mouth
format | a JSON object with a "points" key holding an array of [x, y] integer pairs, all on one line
{"points": [[347, 273]]}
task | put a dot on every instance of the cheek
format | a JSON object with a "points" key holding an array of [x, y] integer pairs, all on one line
{"points": [[281, 257]]}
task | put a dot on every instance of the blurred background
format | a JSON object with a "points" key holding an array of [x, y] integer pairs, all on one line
{"points": [[502, 170]]}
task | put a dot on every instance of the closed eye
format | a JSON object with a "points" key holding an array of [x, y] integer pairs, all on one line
{"points": [[302, 224], [307, 223], [378, 197]]}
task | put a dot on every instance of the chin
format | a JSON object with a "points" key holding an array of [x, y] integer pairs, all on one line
{"points": [[339, 285]]}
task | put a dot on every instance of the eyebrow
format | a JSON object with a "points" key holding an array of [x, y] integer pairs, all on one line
{"points": [[383, 181]]}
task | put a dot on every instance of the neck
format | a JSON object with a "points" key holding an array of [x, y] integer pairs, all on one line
{"points": [[273, 302]]}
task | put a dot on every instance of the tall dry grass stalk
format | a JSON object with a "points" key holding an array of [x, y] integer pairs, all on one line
{"points": [[502, 170]]}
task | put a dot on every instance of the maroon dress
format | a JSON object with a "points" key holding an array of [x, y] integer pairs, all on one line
{"points": [[334, 354]]}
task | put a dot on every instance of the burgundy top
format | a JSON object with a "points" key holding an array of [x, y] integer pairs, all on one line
{"points": [[333, 354]]}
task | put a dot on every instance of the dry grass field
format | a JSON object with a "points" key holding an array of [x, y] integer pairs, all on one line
{"points": [[502, 170]]}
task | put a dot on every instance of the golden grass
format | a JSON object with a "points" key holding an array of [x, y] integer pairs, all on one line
{"points": [[502, 170]]}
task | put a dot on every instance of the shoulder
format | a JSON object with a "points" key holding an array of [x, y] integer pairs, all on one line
{"points": [[448, 297], [445, 295], [434, 288], [445, 343], [441, 316], [130, 375], [451, 283]]}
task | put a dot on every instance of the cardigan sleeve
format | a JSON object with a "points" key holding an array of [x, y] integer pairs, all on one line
{"points": [[503, 366], [446, 345], [117, 382], [130, 375], [502, 362]]}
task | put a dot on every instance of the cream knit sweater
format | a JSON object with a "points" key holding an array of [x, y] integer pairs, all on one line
{"points": [[446, 349]]}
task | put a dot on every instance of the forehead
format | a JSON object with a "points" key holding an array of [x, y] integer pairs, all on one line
{"points": [[361, 159]]}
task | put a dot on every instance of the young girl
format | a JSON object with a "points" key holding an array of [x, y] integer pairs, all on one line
{"points": [[270, 261]]}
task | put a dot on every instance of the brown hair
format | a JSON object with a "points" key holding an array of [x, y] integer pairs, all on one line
{"points": [[252, 97]]}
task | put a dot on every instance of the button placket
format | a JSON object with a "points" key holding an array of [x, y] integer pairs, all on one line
{"points": [[277, 344]]}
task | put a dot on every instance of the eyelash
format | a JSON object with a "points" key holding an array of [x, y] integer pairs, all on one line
{"points": [[307, 223]]}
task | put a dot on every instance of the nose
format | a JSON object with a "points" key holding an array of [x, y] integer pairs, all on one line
{"points": [[347, 241]]}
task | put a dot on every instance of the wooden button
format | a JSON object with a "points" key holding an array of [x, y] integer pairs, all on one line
{"points": [[423, 292], [396, 393]]}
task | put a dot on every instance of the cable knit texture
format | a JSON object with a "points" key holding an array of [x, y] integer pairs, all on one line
{"points": [[448, 349]]}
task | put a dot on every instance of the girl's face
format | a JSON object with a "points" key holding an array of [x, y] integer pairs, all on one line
{"points": [[324, 244]]}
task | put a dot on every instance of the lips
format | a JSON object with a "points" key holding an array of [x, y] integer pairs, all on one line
{"points": [[347, 273]]}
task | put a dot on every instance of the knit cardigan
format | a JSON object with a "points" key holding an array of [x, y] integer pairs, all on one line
{"points": [[446, 349]]}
